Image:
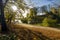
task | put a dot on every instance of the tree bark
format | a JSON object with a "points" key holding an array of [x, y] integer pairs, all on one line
{"points": [[2, 19]]}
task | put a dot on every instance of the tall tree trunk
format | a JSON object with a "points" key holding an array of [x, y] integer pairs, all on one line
{"points": [[2, 19]]}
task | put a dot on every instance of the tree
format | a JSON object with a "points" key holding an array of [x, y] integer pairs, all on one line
{"points": [[32, 15], [54, 12], [58, 11], [3, 23], [9, 15], [20, 5], [49, 22]]}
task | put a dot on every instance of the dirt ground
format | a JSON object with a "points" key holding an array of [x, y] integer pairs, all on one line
{"points": [[30, 32]]}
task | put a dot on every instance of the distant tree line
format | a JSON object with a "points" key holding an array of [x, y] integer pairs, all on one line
{"points": [[51, 18]]}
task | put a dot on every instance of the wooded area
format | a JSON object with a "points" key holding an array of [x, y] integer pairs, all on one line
{"points": [[14, 12]]}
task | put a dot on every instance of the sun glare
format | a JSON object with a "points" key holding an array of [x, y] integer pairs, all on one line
{"points": [[25, 13], [14, 8]]}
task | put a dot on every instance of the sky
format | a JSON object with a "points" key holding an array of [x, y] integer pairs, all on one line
{"points": [[39, 3]]}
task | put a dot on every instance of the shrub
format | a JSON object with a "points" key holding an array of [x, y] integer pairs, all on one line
{"points": [[45, 22], [49, 22]]}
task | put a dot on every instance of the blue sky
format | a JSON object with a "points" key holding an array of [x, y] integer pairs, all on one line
{"points": [[39, 3]]}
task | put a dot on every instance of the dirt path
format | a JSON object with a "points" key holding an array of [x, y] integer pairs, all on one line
{"points": [[52, 33], [27, 31]]}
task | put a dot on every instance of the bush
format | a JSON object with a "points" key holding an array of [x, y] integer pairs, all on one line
{"points": [[52, 22], [45, 22], [49, 22]]}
